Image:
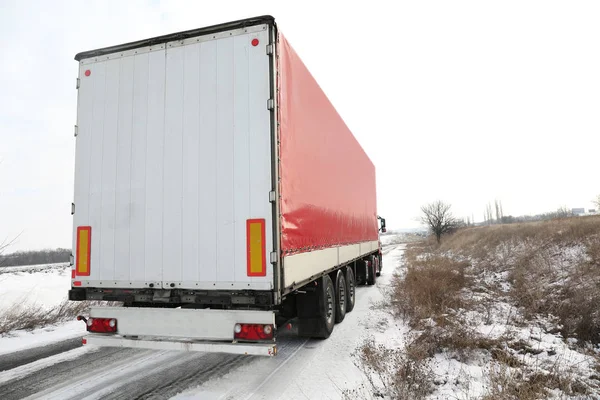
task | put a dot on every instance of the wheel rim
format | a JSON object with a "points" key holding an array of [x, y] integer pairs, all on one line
{"points": [[351, 287], [329, 305], [342, 296]]}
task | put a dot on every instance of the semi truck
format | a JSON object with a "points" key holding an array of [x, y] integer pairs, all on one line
{"points": [[218, 195]]}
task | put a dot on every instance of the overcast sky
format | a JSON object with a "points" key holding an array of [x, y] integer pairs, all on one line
{"points": [[465, 101]]}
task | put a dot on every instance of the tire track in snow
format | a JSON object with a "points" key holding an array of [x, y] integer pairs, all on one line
{"points": [[64, 371], [13, 360]]}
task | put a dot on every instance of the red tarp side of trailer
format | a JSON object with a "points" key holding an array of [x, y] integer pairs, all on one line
{"points": [[327, 188]]}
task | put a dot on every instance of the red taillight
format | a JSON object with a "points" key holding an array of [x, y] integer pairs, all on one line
{"points": [[253, 331], [101, 325]]}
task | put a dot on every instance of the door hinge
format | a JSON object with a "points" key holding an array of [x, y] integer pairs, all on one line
{"points": [[273, 257], [269, 49], [76, 130], [272, 197], [72, 208], [270, 104], [77, 84]]}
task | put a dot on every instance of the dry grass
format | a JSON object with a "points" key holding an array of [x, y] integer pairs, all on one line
{"points": [[554, 267], [517, 384], [548, 269], [430, 288], [559, 231], [398, 374], [32, 317]]}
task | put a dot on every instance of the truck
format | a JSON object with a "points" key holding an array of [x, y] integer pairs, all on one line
{"points": [[218, 194]]}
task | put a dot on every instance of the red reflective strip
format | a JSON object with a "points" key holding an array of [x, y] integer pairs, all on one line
{"points": [[72, 274], [77, 283]]}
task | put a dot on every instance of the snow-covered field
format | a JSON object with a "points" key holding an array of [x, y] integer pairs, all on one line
{"points": [[510, 336], [303, 368], [38, 285]]}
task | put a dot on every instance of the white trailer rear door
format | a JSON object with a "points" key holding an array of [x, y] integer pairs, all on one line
{"points": [[173, 165]]}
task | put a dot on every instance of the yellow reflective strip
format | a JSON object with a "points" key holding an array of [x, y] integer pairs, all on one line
{"points": [[256, 245], [83, 252]]}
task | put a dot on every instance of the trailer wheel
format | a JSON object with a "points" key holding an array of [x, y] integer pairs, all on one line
{"points": [[351, 289], [378, 270], [341, 296], [316, 311], [371, 273]]}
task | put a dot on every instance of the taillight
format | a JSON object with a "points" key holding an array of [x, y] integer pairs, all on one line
{"points": [[101, 325], [253, 331]]}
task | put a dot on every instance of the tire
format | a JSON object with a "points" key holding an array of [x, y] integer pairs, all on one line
{"points": [[316, 317], [379, 265], [371, 273], [341, 297], [350, 290]]}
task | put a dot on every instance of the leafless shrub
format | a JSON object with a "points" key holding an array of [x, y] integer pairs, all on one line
{"points": [[507, 383], [33, 316], [399, 374], [430, 287]]}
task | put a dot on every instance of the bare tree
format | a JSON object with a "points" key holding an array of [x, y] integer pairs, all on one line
{"points": [[597, 202], [438, 218], [5, 244], [488, 214], [497, 206]]}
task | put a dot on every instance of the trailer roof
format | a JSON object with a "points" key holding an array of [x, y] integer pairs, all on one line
{"points": [[265, 19]]}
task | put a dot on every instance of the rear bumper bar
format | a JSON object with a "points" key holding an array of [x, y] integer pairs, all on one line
{"points": [[255, 349], [181, 329], [176, 323]]}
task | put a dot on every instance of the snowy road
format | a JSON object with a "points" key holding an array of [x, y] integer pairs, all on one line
{"points": [[303, 368]]}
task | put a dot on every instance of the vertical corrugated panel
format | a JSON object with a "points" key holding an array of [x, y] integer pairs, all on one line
{"points": [[241, 151], [173, 168], [109, 171], [137, 207], [123, 172], [225, 171], [207, 158], [94, 181], [155, 166], [191, 143]]}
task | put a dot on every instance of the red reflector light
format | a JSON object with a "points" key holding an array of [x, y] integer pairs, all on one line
{"points": [[255, 42], [253, 331], [83, 341], [77, 283], [101, 325], [88, 72]]}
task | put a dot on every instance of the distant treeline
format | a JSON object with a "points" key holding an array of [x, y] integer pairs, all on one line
{"points": [[21, 258]]}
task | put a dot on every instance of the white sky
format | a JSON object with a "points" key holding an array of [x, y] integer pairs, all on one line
{"points": [[465, 101]]}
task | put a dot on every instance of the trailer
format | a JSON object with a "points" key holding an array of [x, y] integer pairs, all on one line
{"points": [[217, 194]]}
